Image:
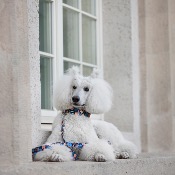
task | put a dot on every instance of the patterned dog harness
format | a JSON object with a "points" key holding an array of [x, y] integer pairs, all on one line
{"points": [[74, 147]]}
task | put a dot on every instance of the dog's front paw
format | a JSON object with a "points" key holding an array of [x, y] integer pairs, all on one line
{"points": [[100, 157], [55, 157], [117, 154]]}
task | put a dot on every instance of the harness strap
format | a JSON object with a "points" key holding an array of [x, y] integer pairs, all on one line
{"points": [[39, 148], [74, 147]]}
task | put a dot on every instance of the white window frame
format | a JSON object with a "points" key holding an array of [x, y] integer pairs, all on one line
{"points": [[47, 116]]}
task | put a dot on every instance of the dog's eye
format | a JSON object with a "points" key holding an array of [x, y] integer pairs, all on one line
{"points": [[86, 89], [74, 87]]}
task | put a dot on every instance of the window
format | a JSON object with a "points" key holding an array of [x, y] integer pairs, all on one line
{"points": [[70, 34], [47, 56]]}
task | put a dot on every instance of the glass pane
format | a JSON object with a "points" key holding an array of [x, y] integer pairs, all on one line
{"points": [[68, 65], [45, 26], [89, 39], [46, 70], [73, 3], [87, 70], [89, 6], [70, 34]]}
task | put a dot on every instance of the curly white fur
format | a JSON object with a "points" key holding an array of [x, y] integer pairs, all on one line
{"points": [[104, 141]]}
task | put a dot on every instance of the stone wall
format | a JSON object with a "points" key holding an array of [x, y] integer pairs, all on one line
{"points": [[118, 61], [38, 136], [156, 33], [15, 98], [171, 17], [121, 65]]}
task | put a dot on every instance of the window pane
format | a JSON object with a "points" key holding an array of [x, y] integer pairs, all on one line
{"points": [[89, 6], [46, 82], [68, 65], [87, 70], [89, 39], [73, 3], [70, 34], [45, 26]]}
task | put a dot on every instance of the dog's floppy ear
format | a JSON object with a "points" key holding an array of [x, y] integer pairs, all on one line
{"points": [[96, 73], [100, 97], [75, 70]]}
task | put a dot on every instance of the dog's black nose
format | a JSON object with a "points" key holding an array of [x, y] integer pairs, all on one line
{"points": [[75, 99]]}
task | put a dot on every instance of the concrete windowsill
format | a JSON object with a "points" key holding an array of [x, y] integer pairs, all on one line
{"points": [[144, 165]]}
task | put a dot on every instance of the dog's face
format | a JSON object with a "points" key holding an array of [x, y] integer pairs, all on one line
{"points": [[80, 90], [90, 93]]}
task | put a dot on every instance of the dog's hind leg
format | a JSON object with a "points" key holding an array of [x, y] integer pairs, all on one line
{"points": [[125, 150], [99, 151]]}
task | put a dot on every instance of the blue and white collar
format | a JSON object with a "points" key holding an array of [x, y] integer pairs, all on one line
{"points": [[76, 111]]}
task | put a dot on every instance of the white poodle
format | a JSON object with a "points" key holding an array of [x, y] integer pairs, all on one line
{"points": [[74, 135]]}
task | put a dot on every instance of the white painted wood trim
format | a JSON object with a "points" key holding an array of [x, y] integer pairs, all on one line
{"points": [[79, 11], [80, 39], [59, 38], [46, 127], [48, 116], [46, 54], [79, 62]]}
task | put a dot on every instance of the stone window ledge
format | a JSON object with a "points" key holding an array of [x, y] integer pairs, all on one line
{"points": [[144, 165]]}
